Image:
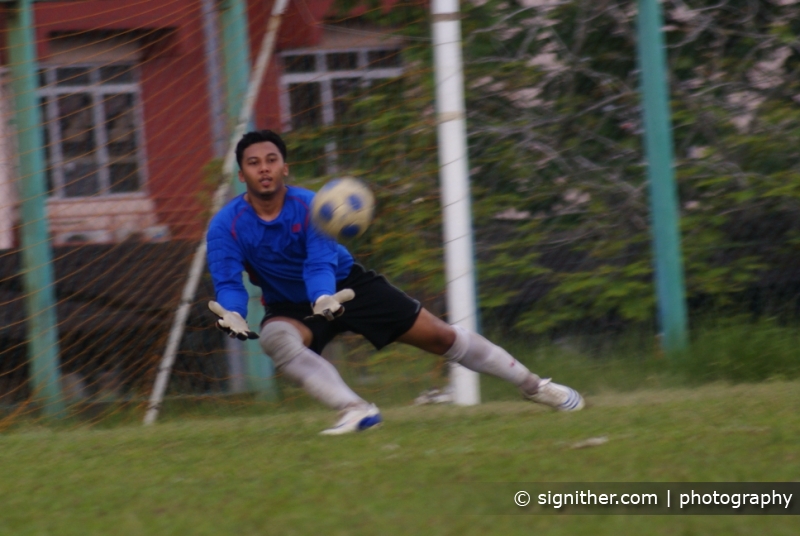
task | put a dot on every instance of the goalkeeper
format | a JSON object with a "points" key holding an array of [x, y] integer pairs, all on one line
{"points": [[313, 290]]}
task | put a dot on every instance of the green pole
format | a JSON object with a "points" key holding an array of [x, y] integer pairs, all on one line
{"points": [[37, 268], [670, 289], [235, 49]]}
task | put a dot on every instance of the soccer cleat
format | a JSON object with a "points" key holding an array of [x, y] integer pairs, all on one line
{"points": [[355, 420], [558, 397]]}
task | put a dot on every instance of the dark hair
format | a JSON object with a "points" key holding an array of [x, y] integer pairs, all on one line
{"points": [[259, 136]]}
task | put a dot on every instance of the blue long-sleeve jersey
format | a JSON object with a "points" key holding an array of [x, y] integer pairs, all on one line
{"points": [[287, 257]]}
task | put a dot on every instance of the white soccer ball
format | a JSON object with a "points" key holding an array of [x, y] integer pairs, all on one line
{"points": [[343, 208]]}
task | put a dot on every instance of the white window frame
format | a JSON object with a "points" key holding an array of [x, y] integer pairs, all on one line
{"points": [[324, 77], [97, 91]]}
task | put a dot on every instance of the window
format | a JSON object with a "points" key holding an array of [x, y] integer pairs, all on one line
{"points": [[92, 130], [317, 85]]}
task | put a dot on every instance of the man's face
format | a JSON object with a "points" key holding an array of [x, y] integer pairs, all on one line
{"points": [[263, 169]]}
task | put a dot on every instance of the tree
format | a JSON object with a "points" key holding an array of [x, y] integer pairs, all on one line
{"points": [[558, 172]]}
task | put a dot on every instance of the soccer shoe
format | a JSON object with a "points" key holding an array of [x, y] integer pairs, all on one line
{"points": [[355, 420], [558, 397]]}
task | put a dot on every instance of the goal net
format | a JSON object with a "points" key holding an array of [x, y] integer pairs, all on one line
{"points": [[132, 122], [135, 121]]}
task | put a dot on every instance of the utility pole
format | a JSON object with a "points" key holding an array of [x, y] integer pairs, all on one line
{"points": [[670, 289], [235, 48], [36, 253]]}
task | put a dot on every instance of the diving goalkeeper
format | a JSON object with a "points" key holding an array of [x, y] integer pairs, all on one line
{"points": [[313, 290]]}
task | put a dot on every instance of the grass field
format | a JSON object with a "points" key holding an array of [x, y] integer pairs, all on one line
{"points": [[427, 471]]}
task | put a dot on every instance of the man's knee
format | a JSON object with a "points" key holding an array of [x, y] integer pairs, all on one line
{"points": [[445, 338], [281, 341], [460, 345]]}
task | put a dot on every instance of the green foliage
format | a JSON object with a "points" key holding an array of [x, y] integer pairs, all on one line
{"points": [[731, 349], [385, 134], [561, 210], [740, 351], [554, 124]]}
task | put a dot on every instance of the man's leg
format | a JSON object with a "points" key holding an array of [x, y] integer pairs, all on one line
{"points": [[477, 353], [286, 341], [468, 349]]}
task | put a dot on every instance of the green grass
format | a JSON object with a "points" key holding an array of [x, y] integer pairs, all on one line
{"points": [[425, 472]]}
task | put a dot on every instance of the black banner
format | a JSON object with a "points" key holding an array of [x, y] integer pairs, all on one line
{"points": [[653, 498]]}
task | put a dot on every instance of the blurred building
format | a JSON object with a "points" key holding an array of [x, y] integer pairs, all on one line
{"points": [[133, 96], [134, 106]]}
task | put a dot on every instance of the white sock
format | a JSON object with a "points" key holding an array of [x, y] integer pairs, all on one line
{"points": [[284, 344], [476, 353], [321, 380]]}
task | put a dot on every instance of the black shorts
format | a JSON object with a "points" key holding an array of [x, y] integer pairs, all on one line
{"points": [[380, 311]]}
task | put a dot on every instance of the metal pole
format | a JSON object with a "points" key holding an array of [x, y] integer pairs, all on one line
{"points": [[235, 50], [214, 71], [235, 47], [8, 193], [37, 268], [663, 191], [234, 350], [220, 197], [454, 176]]}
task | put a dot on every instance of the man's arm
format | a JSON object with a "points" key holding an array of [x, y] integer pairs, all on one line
{"points": [[226, 264], [319, 269], [319, 273]]}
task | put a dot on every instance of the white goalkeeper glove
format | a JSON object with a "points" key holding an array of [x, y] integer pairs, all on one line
{"points": [[330, 307], [232, 322]]}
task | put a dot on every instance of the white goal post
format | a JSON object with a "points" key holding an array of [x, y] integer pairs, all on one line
{"points": [[454, 176]]}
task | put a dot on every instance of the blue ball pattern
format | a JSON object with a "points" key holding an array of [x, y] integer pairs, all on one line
{"points": [[343, 208], [355, 202], [349, 231], [326, 211], [330, 185]]}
